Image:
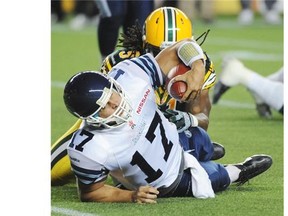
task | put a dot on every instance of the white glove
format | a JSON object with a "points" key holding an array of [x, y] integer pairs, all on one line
{"points": [[182, 120]]}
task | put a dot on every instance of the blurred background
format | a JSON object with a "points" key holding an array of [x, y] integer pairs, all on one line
{"points": [[80, 13]]}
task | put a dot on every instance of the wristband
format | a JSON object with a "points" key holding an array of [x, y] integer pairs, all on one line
{"points": [[189, 52], [134, 197], [193, 120]]}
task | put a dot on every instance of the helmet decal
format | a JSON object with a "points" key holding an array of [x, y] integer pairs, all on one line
{"points": [[165, 26], [170, 25]]}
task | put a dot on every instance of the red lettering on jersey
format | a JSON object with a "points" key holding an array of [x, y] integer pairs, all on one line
{"points": [[142, 102]]}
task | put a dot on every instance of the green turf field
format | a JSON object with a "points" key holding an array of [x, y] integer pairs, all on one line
{"points": [[233, 121]]}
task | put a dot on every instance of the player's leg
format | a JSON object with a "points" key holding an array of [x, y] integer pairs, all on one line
{"points": [[218, 176], [60, 164], [262, 108], [112, 15], [137, 10], [272, 93], [246, 15], [197, 142], [234, 73], [222, 176], [277, 76], [271, 13], [248, 169]]}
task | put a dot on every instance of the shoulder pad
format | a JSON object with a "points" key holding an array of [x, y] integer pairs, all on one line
{"points": [[116, 57]]}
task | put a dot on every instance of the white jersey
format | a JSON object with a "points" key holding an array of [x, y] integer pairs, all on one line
{"points": [[143, 151]]}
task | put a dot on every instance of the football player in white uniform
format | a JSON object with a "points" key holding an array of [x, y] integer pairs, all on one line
{"points": [[172, 25], [124, 134]]}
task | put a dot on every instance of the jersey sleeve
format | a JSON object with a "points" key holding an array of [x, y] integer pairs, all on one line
{"points": [[89, 176], [88, 171], [82, 156], [149, 65]]}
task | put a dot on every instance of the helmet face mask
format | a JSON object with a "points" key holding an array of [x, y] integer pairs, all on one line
{"points": [[86, 93], [119, 116], [164, 27]]}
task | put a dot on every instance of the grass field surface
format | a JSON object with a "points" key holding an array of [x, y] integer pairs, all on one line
{"points": [[233, 121]]}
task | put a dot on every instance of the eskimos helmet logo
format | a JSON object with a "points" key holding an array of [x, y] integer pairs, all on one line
{"points": [[87, 92]]}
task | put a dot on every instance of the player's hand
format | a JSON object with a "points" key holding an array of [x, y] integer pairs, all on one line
{"points": [[145, 194], [182, 120], [194, 79]]}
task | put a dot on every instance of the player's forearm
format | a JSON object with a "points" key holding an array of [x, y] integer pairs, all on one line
{"points": [[203, 120], [186, 51], [106, 193], [197, 73], [201, 109]]}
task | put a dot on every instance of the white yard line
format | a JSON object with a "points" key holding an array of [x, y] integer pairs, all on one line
{"points": [[246, 43], [235, 104], [65, 211], [247, 55]]}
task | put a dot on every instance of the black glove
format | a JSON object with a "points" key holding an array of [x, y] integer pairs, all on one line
{"points": [[182, 120]]}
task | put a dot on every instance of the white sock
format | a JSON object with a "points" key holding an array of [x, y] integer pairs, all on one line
{"points": [[234, 72], [277, 76], [270, 92], [263, 89], [257, 98], [233, 172]]}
